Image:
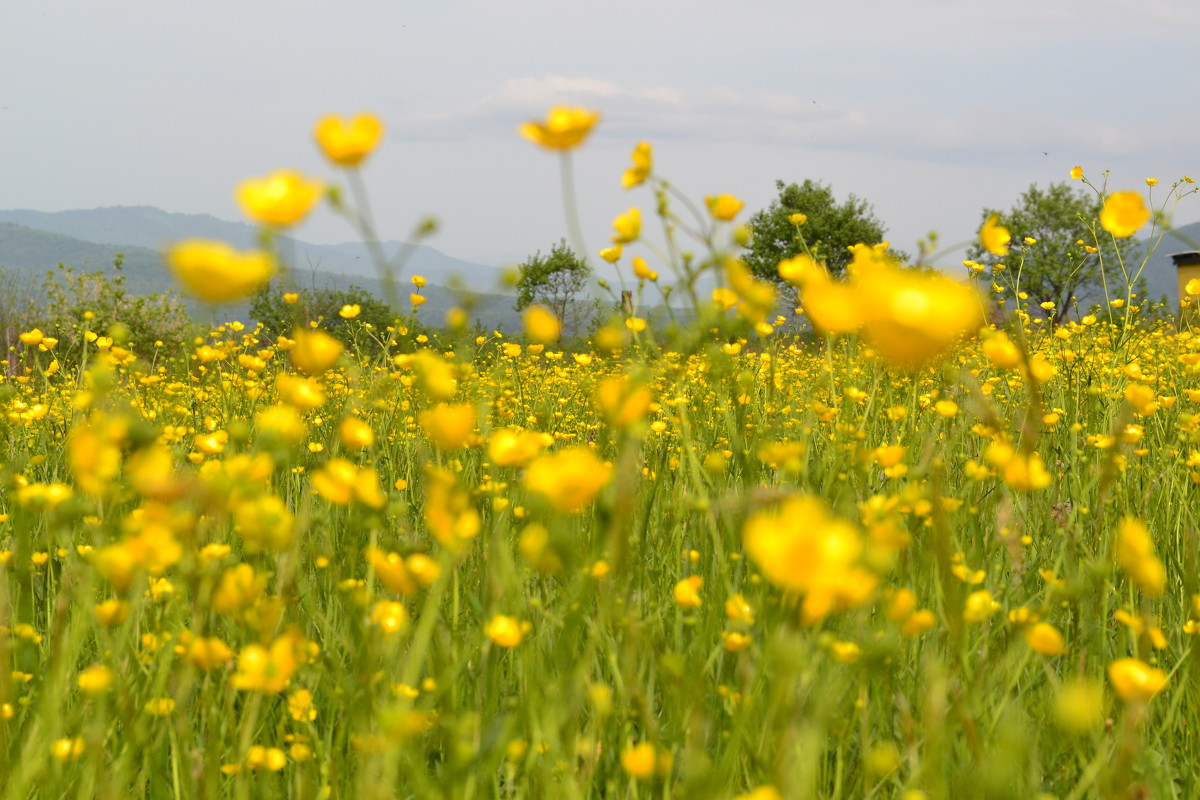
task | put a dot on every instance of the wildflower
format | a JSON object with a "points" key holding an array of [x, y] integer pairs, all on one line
{"points": [[1135, 553], [643, 158], [264, 523], [1123, 214], [450, 427], [355, 434], [979, 606], [216, 273], [279, 200], [1077, 173], [504, 631], [512, 448], [640, 760], [341, 483], [565, 128], [994, 236], [723, 207], [1136, 681], [391, 571], [314, 351], [1045, 639], [541, 325], [300, 706], [389, 616], [569, 480], [627, 226], [67, 749], [687, 593], [611, 254], [347, 142], [269, 669], [159, 706], [271, 759], [96, 680], [642, 270], [802, 548], [449, 513], [1152, 182]]}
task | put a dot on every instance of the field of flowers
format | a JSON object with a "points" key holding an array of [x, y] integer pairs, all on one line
{"points": [[939, 548]]}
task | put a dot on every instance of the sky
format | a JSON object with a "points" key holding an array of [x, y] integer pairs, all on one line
{"points": [[931, 110]]}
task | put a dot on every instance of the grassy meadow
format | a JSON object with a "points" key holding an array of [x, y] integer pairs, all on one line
{"points": [[940, 548]]}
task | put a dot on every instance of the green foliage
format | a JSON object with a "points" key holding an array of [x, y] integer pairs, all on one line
{"points": [[279, 317], [555, 281], [830, 229], [1056, 268], [100, 302]]}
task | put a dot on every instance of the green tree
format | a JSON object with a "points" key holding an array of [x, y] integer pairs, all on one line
{"points": [[279, 317], [830, 228], [1057, 268], [555, 281]]}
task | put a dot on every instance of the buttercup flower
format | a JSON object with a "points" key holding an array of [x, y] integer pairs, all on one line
{"points": [[1124, 213], [347, 142], [565, 128], [216, 273], [281, 199], [994, 236]]}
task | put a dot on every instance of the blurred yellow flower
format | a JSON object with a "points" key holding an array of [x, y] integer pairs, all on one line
{"points": [[565, 128], [569, 479], [315, 351], [642, 270], [994, 236], [505, 631], [627, 226], [541, 325], [217, 273], [1136, 681], [1045, 639], [1134, 551], [687, 593], [279, 200], [347, 142], [350, 311], [1124, 213], [723, 207], [642, 164], [449, 426]]}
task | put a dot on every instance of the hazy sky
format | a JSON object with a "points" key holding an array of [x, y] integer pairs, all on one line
{"points": [[929, 109]]}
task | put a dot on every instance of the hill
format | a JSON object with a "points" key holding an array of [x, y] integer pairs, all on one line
{"points": [[153, 229], [28, 255], [1160, 270]]}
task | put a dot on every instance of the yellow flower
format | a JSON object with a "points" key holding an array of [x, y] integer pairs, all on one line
{"points": [[389, 616], [512, 448], [504, 631], [355, 434], [159, 706], [565, 128], [1077, 173], [96, 680], [1135, 553], [687, 593], [1123, 214], [569, 480], [640, 760], [341, 483], [1045, 639], [980, 605], [723, 207], [271, 759], [315, 351], [994, 236], [642, 270], [31, 338], [1151, 181], [217, 273], [269, 669], [642, 164], [1135, 680], [541, 325], [450, 427], [798, 219], [347, 142], [611, 254], [300, 706], [67, 749], [279, 200], [628, 226], [416, 299], [391, 571], [803, 549], [350, 311]]}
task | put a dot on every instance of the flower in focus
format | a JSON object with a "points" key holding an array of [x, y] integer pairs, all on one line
{"points": [[1123, 214], [279, 200], [350, 311], [642, 164], [565, 128], [994, 236], [1077, 173], [216, 272], [347, 142]]}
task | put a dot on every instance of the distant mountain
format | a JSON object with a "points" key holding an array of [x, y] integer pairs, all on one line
{"points": [[28, 255], [1160, 272], [154, 229]]}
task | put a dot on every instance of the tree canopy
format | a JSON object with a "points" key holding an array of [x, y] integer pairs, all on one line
{"points": [[829, 228], [555, 281], [1058, 267]]}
